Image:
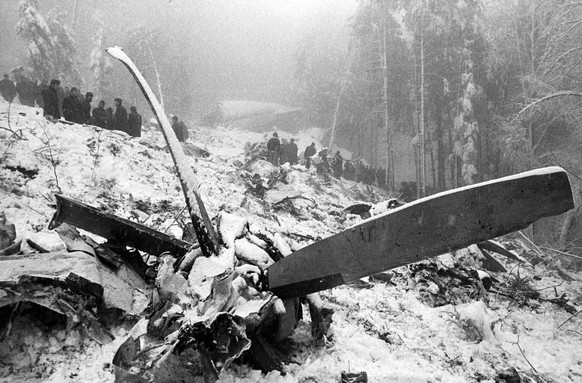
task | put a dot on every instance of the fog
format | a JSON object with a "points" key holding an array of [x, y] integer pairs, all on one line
{"points": [[230, 49]]}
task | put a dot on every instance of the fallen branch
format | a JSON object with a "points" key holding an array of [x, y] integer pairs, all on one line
{"points": [[524, 357], [561, 252], [546, 98], [567, 320]]}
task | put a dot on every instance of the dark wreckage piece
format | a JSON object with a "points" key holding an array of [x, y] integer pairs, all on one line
{"points": [[115, 228], [422, 229]]}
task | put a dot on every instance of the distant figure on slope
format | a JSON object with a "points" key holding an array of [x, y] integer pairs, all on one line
{"points": [[86, 109], [273, 146], [180, 129], [120, 121], [71, 106], [337, 164], [51, 100], [134, 122], [100, 115], [309, 152], [292, 149], [7, 89]]}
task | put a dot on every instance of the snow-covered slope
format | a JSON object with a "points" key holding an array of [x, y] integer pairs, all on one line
{"points": [[387, 329]]}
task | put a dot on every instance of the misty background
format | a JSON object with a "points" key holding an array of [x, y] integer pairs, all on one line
{"points": [[224, 49]]}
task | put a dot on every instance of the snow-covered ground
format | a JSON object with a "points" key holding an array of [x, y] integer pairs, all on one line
{"points": [[386, 329]]}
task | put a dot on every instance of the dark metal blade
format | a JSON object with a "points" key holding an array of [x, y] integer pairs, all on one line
{"points": [[424, 228], [115, 228]]}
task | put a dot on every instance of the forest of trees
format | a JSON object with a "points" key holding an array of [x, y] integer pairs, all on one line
{"points": [[483, 88]]}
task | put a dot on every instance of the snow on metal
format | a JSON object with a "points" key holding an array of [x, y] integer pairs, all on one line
{"points": [[189, 181]]}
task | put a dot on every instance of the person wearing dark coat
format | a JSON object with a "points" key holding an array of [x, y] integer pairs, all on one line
{"points": [[86, 109], [51, 100], [180, 129], [40, 88], [283, 152], [26, 91], [309, 152], [120, 121], [7, 89], [134, 122], [273, 146], [71, 106], [349, 170], [292, 149], [100, 115], [110, 118], [337, 164]]}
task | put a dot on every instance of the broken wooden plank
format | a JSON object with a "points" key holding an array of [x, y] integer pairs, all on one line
{"points": [[115, 228], [425, 228]]}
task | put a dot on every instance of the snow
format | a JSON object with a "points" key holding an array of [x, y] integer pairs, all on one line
{"points": [[384, 329]]}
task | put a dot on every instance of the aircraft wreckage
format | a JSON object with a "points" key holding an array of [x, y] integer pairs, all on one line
{"points": [[236, 292]]}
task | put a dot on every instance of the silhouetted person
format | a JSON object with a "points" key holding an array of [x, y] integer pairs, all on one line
{"points": [[273, 146], [7, 89], [283, 152], [51, 100], [40, 88], [134, 122], [120, 121], [293, 152], [26, 91], [86, 108], [337, 164], [309, 152], [110, 118], [100, 115], [71, 106], [180, 129], [349, 170]]}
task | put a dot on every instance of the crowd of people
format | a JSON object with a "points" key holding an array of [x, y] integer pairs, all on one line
{"points": [[282, 151], [69, 103]]}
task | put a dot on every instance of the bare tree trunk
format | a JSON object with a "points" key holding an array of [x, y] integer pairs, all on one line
{"points": [[336, 113], [422, 143], [158, 81], [389, 155]]}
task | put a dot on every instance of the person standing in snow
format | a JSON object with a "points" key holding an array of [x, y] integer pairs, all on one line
{"points": [[51, 100], [40, 88], [180, 129], [100, 115], [273, 146], [293, 152], [283, 151], [7, 89], [134, 122], [86, 109], [309, 152], [25, 89], [120, 121], [337, 164], [71, 106]]}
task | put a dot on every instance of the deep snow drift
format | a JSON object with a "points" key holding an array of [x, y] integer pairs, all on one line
{"points": [[389, 329]]}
